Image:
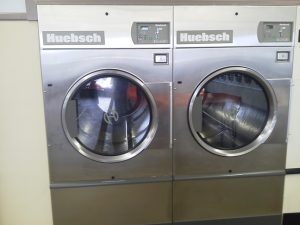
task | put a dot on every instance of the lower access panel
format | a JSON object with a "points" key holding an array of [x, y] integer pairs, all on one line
{"points": [[130, 204], [207, 201]]}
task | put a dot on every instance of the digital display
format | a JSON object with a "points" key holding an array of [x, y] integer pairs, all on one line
{"points": [[144, 28]]}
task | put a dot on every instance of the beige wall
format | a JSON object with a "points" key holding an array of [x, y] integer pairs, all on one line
{"points": [[292, 194], [24, 179]]}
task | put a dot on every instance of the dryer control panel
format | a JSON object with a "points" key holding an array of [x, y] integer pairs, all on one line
{"points": [[275, 31], [150, 33]]}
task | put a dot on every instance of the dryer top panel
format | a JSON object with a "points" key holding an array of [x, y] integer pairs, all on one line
{"points": [[231, 26], [95, 26]]}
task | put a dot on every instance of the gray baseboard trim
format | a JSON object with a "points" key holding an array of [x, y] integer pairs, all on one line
{"points": [[13, 16]]}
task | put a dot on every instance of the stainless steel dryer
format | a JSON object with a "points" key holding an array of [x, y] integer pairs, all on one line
{"points": [[107, 79], [232, 70]]}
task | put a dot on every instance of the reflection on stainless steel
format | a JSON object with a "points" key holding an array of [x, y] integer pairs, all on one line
{"points": [[234, 111], [113, 115]]}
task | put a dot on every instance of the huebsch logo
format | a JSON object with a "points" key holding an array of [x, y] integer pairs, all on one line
{"points": [[204, 37], [73, 38]]}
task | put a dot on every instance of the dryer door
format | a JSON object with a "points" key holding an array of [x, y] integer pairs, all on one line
{"points": [[232, 111], [109, 116]]}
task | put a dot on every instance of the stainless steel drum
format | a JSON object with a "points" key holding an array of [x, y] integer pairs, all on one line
{"points": [[231, 109], [109, 116]]}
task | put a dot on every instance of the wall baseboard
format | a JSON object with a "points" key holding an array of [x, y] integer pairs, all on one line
{"points": [[292, 171]]}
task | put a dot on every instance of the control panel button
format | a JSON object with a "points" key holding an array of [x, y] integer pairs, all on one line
{"points": [[161, 58], [283, 56]]}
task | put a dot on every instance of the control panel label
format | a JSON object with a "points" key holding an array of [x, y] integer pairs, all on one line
{"points": [[73, 38], [204, 36]]}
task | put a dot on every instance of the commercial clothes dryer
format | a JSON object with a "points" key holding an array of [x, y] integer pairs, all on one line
{"points": [[232, 70], [107, 80]]}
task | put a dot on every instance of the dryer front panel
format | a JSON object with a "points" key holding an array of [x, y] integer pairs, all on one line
{"points": [[108, 115], [231, 111]]}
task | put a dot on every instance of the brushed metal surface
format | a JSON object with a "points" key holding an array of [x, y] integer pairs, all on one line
{"points": [[167, 2], [31, 5], [199, 200], [242, 20], [115, 21], [190, 159], [61, 68], [230, 175], [235, 2], [113, 205], [258, 220], [80, 184]]}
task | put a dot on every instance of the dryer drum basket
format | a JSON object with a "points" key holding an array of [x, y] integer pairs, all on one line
{"points": [[230, 110], [108, 114]]}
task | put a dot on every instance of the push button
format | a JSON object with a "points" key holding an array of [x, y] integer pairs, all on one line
{"points": [[161, 58], [283, 56]]}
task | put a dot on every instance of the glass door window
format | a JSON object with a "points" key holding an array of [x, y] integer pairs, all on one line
{"points": [[109, 115], [230, 110]]}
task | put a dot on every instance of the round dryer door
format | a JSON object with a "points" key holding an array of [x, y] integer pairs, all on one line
{"points": [[232, 111], [109, 116]]}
